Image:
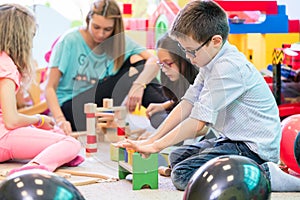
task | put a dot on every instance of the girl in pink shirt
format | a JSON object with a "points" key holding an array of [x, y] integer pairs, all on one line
{"points": [[24, 137]]}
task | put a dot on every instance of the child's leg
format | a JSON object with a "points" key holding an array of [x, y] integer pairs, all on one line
{"points": [[184, 169], [183, 156], [281, 181], [43, 147], [183, 152]]}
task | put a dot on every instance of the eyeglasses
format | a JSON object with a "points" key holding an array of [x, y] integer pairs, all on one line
{"points": [[193, 52], [164, 64]]}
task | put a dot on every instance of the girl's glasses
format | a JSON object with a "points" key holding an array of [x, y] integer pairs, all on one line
{"points": [[164, 64]]}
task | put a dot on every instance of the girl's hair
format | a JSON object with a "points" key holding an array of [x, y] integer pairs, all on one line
{"points": [[18, 26], [186, 69], [200, 20], [110, 10]]}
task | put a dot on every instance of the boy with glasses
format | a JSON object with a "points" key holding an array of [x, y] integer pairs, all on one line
{"points": [[229, 95]]}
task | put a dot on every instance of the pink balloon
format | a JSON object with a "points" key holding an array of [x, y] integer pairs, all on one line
{"points": [[290, 129]]}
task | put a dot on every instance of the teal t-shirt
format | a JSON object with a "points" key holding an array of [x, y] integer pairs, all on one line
{"points": [[81, 68]]}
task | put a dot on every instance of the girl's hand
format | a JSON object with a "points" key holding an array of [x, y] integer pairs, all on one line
{"points": [[45, 122], [154, 108]]}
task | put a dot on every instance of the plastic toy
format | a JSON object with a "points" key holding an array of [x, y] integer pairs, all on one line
{"points": [[280, 60], [290, 129]]}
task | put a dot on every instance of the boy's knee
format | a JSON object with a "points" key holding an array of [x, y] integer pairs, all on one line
{"points": [[178, 179], [176, 155], [174, 158]]}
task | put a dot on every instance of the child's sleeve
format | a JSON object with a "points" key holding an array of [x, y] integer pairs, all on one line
{"points": [[10, 71]]}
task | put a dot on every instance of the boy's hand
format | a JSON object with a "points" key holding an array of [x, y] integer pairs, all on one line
{"points": [[137, 146], [144, 136], [121, 143]]}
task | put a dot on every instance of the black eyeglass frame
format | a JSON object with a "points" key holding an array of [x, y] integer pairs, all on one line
{"points": [[193, 52]]}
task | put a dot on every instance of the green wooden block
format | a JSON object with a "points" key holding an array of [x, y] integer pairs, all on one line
{"points": [[144, 170]]}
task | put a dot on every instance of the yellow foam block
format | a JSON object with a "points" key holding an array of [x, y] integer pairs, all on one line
{"points": [[140, 112]]}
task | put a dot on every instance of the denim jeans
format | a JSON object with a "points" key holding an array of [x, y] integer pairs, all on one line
{"points": [[187, 159]]}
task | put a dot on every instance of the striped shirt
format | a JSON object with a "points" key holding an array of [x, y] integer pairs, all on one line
{"points": [[231, 95]]}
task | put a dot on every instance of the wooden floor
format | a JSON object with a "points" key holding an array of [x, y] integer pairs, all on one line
{"points": [[122, 189]]}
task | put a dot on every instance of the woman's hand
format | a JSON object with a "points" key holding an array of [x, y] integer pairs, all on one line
{"points": [[135, 96], [63, 124], [154, 108]]}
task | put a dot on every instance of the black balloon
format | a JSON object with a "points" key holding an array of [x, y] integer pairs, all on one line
{"points": [[38, 185], [229, 178]]}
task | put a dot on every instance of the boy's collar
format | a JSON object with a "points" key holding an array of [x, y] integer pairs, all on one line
{"points": [[218, 55]]}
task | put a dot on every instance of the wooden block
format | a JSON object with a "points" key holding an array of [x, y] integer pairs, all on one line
{"points": [[86, 174], [114, 153], [164, 171], [86, 182], [64, 175], [126, 166]]}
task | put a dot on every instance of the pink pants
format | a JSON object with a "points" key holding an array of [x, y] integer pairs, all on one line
{"points": [[44, 147]]}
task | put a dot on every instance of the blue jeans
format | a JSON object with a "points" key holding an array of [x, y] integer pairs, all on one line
{"points": [[187, 159]]}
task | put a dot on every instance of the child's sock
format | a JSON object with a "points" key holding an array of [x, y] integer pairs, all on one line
{"points": [[75, 162], [281, 181]]}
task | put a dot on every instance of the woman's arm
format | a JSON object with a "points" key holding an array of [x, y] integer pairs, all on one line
{"points": [[149, 72], [52, 101], [12, 119]]}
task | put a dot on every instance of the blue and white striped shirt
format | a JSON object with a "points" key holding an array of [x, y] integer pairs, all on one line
{"points": [[231, 95]]}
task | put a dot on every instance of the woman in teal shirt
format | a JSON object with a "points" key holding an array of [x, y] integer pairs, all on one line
{"points": [[86, 59]]}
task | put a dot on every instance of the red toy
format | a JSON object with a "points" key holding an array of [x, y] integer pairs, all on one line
{"points": [[290, 129]]}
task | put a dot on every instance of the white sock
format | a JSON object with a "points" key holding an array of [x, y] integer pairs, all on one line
{"points": [[281, 181]]}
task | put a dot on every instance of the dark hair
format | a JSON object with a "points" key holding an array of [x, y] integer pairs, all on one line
{"points": [[186, 69], [200, 20]]}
